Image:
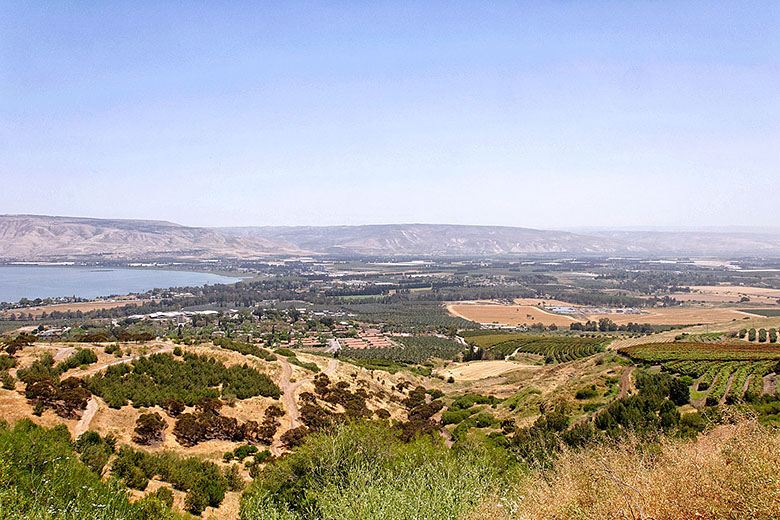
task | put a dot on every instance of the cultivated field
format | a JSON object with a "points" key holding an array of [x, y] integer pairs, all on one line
{"points": [[723, 372], [75, 307], [729, 293], [528, 315], [475, 370], [509, 314], [678, 316]]}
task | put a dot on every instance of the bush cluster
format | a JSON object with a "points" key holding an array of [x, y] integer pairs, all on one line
{"points": [[191, 429], [151, 380], [203, 481]]}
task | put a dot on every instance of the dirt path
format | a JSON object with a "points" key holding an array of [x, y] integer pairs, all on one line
{"points": [[86, 418], [625, 386], [63, 352], [444, 433], [728, 388], [770, 384], [747, 383], [288, 389], [625, 382]]}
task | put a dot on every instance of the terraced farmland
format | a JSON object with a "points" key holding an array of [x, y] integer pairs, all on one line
{"points": [[690, 350], [554, 349], [725, 371]]}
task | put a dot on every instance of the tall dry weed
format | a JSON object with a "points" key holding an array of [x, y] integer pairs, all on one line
{"points": [[730, 472]]}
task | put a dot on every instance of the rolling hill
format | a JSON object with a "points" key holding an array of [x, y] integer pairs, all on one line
{"points": [[33, 237], [37, 238]]}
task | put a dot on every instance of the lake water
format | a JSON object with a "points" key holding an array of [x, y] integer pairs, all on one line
{"points": [[17, 282]]}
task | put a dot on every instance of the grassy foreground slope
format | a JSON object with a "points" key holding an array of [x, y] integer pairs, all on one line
{"points": [[361, 472], [41, 477]]}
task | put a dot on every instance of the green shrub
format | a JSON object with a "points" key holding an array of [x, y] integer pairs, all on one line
{"points": [[362, 471], [164, 495], [42, 478], [155, 379], [587, 393], [8, 381], [243, 452], [6, 362], [454, 416]]}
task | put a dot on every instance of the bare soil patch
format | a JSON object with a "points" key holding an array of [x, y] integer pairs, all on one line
{"points": [[509, 314], [74, 307], [730, 293], [678, 316], [475, 370]]}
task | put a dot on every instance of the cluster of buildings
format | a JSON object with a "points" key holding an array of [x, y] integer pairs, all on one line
{"points": [[370, 338]]}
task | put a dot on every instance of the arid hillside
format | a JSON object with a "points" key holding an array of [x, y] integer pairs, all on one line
{"points": [[29, 237]]}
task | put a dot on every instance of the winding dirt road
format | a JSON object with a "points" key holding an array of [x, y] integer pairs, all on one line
{"points": [[63, 352], [288, 389], [625, 382], [86, 418], [444, 433]]}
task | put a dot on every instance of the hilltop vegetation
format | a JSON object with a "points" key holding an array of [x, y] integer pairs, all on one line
{"points": [[359, 472], [41, 477], [151, 380]]}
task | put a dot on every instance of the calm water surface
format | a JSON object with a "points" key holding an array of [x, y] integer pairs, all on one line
{"points": [[17, 282]]}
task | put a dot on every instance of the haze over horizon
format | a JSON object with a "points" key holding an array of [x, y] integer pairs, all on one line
{"points": [[652, 114]]}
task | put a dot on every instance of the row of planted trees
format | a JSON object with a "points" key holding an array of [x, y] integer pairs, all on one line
{"points": [[762, 335]]}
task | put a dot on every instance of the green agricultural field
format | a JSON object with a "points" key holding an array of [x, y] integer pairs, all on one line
{"points": [[769, 313], [554, 349], [686, 350], [415, 350], [404, 316], [722, 370], [487, 341]]}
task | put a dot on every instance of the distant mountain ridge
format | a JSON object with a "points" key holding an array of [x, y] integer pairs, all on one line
{"points": [[49, 238], [34, 237], [431, 240]]}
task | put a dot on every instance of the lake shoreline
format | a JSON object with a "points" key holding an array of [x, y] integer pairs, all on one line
{"points": [[96, 282]]}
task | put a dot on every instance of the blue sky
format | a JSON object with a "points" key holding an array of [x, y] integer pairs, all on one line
{"points": [[547, 115]]}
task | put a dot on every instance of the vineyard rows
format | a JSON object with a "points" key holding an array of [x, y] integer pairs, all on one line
{"points": [[554, 349], [714, 376], [690, 350], [416, 350], [724, 370]]}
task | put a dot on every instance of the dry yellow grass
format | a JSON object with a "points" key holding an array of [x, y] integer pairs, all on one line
{"points": [[509, 314], [729, 472], [475, 370], [677, 316], [73, 307], [526, 311], [729, 293]]}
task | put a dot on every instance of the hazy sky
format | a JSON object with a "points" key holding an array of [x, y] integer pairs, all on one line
{"points": [[545, 114]]}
